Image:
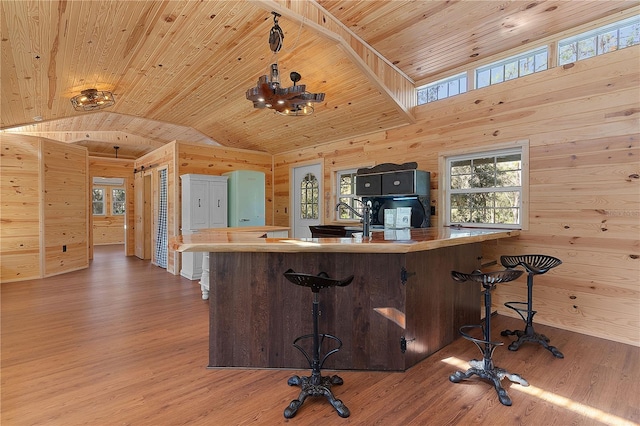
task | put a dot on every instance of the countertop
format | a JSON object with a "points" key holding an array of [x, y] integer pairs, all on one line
{"points": [[381, 241]]}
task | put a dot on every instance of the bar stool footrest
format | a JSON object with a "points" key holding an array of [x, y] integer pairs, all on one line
{"points": [[309, 356], [528, 334]]}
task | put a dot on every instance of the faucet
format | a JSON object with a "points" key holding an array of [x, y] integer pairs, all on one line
{"points": [[365, 216]]}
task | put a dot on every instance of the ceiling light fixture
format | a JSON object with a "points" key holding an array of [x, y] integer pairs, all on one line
{"points": [[291, 101], [91, 99]]}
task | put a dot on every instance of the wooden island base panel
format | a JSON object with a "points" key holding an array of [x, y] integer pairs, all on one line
{"points": [[401, 307]]}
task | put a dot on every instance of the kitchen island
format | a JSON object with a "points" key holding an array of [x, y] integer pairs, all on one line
{"points": [[401, 307]]}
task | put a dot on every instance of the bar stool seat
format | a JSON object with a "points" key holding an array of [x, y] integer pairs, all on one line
{"points": [[534, 264], [485, 369], [316, 384]]}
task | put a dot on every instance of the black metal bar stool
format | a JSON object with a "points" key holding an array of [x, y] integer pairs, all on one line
{"points": [[485, 368], [534, 264], [316, 384]]}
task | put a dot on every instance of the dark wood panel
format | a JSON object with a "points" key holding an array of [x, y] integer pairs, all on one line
{"points": [[256, 313]]}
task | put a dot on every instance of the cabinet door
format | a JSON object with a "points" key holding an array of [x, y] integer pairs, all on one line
{"points": [[198, 205], [218, 200]]}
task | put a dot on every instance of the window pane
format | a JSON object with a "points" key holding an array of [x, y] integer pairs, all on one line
{"points": [[461, 167], [511, 71], [432, 94], [422, 97], [568, 53], [98, 194], [497, 75], [460, 211], [587, 48], [309, 197], [98, 208], [454, 88], [508, 178], [607, 42], [118, 195], [483, 78], [526, 66], [630, 35], [460, 181], [540, 61]]}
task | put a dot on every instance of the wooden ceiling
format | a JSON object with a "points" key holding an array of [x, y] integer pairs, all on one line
{"points": [[180, 69]]}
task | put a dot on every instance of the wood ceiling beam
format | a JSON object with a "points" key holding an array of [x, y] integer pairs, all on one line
{"points": [[393, 83], [116, 137]]}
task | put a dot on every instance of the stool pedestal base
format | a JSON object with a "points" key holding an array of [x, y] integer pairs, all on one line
{"points": [[492, 374], [315, 386], [530, 335]]}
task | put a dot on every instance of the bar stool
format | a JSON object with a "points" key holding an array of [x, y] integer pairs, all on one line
{"points": [[316, 384], [485, 368], [534, 264]]}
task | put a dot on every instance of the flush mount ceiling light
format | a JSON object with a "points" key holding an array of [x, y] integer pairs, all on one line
{"points": [[91, 99], [292, 101]]}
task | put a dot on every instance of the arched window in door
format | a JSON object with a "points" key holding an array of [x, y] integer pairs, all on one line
{"points": [[309, 197]]}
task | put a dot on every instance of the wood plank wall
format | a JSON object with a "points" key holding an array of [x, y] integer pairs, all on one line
{"points": [[45, 208], [65, 219], [582, 124], [20, 208], [182, 157], [109, 229]]}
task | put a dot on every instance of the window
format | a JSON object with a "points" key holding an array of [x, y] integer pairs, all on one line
{"points": [[486, 189], [511, 68], [98, 201], [599, 41], [118, 199], [309, 197], [347, 194], [442, 89]]}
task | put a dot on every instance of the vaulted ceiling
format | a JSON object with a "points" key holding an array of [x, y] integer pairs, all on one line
{"points": [[180, 69]]}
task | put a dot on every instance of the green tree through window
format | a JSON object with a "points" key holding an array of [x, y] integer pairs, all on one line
{"points": [[485, 189]]}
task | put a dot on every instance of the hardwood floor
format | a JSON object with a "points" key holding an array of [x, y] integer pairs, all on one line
{"points": [[125, 343]]}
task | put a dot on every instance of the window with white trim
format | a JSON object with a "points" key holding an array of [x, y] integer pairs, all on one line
{"points": [[346, 190], [602, 40], [98, 201], [485, 188], [512, 67], [442, 89]]}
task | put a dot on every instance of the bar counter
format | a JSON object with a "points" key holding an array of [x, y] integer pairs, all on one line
{"points": [[401, 307], [381, 241]]}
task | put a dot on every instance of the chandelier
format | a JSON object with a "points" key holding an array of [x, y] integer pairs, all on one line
{"points": [[91, 99], [291, 101]]}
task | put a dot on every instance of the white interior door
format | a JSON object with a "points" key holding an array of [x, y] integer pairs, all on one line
{"points": [[306, 191]]}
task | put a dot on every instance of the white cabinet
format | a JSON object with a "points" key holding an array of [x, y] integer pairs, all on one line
{"points": [[204, 205]]}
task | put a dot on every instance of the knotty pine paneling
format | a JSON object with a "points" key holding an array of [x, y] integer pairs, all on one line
{"points": [[581, 121], [20, 208], [65, 219], [111, 229]]}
